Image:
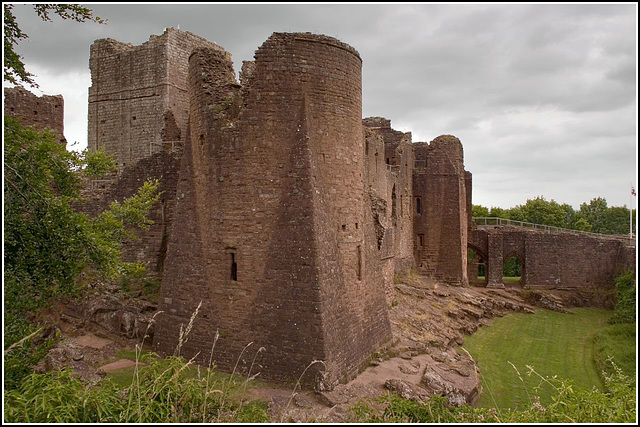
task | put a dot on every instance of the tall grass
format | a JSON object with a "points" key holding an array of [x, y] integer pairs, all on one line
{"points": [[163, 390], [569, 404]]}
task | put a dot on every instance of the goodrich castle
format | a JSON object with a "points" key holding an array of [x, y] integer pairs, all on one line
{"points": [[283, 212]]}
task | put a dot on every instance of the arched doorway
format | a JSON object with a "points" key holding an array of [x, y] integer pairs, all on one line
{"points": [[476, 266], [512, 269]]}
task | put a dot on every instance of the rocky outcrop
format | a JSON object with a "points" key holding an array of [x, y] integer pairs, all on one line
{"points": [[430, 315], [81, 355], [107, 313], [453, 375]]}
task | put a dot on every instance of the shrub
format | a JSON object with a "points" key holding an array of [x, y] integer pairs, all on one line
{"points": [[625, 309]]}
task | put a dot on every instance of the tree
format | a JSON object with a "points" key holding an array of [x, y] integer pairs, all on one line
{"points": [[14, 69], [540, 211], [47, 242], [517, 214], [595, 212], [498, 212], [616, 220], [478, 211]]}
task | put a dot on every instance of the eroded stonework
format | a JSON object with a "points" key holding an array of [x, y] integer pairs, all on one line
{"points": [[284, 215], [41, 112]]}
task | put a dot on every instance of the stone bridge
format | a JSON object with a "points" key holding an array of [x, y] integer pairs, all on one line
{"points": [[550, 257]]}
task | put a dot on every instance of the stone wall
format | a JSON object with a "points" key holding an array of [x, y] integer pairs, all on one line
{"points": [[149, 246], [389, 165], [138, 102], [41, 112], [273, 232], [284, 215], [440, 210], [553, 260]]}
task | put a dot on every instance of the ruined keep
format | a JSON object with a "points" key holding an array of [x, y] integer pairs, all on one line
{"points": [[138, 99], [284, 215]]}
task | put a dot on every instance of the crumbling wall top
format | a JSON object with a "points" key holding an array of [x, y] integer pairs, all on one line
{"points": [[41, 112], [309, 37], [449, 143], [113, 46], [376, 122]]}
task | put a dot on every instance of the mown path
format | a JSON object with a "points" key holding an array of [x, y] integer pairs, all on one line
{"points": [[552, 343]]}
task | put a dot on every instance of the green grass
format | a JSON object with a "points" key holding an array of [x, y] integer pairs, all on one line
{"points": [[504, 279], [236, 386], [555, 344], [619, 342]]}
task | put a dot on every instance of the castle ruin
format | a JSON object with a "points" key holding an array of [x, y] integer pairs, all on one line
{"points": [[284, 215]]}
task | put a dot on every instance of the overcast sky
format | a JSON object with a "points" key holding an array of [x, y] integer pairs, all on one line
{"points": [[543, 97]]}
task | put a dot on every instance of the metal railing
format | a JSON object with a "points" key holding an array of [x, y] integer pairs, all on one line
{"points": [[485, 221]]}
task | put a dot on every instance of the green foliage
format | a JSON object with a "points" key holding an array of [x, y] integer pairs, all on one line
{"points": [[594, 212], [163, 391], [499, 212], [625, 309], [252, 412], [478, 211], [568, 404], [97, 163], [60, 397], [541, 211], [14, 69], [617, 343], [512, 267], [20, 359], [594, 216], [47, 242]]}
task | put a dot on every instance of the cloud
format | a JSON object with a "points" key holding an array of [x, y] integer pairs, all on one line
{"points": [[543, 97]]}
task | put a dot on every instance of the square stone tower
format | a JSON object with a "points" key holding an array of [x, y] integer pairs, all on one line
{"points": [[138, 100]]}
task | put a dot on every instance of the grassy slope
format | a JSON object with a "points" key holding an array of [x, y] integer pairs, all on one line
{"points": [[618, 341], [553, 343]]}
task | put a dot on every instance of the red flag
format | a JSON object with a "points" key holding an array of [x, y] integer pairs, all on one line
{"points": [[633, 191]]}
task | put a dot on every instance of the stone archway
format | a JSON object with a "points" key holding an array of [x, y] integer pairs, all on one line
{"points": [[477, 262], [513, 269]]}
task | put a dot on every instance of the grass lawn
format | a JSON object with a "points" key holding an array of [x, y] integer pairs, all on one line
{"points": [[221, 380], [618, 341], [553, 343]]}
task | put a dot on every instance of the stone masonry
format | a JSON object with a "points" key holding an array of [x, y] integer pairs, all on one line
{"points": [[285, 215], [44, 112], [138, 99]]}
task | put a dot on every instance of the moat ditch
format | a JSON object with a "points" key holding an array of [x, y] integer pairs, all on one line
{"points": [[453, 341]]}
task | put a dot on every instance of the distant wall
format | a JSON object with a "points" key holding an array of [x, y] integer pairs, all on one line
{"points": [[41, 112], [150, 245], [553, 260], [440, 210], [389, 164]]}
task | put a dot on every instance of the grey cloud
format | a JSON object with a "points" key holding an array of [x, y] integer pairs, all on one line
{"points": [[542, 96]]}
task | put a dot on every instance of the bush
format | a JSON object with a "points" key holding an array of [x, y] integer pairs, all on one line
{"points": [[625, 309], [47, 242], [618, 343]]}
